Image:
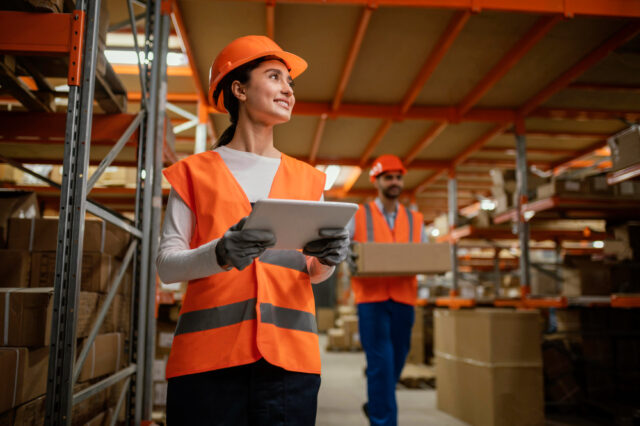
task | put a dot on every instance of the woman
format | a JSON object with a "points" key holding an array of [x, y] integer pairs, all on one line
{"points": [[245, 349]]}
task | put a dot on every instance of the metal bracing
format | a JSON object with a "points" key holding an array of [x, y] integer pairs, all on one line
{"points": [[522, 224], [452, 186], [59, 399], [76, 184]]}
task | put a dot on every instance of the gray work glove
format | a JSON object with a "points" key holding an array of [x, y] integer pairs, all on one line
{"points": [[238, 248], [352, 259], [331, 249]]}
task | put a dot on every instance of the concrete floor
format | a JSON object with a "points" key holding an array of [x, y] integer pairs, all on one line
{"points": [[343, 391]]}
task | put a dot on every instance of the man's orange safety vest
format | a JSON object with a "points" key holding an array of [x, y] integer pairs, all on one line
{"points": [[371, 226], [266, 310]]}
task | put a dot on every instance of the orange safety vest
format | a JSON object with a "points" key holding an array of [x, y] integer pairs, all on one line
{"points": [[266, 310], [371, 226]]}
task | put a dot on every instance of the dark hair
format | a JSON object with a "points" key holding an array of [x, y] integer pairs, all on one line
{"points": [[242, 74]]}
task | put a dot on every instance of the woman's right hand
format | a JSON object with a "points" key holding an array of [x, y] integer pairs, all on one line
{"points": [[237, 248]]}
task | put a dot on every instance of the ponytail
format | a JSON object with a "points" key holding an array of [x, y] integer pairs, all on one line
{"points": [[226, 136]]}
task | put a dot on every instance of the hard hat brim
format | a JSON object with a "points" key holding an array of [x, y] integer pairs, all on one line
{"points": [[295, 63]]}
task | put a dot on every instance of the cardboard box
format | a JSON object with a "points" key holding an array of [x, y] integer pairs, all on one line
{"points": [[489, 366], [160, 394], [15, 204], [625, 148], [99, 236], [24, 375], [87, 311], [164, 337], [159, 369], [105, 357], [14, 268], [598, 185], [97, 270], [416, 349], [337, 339], [325, 318], [119, 314], [31, 413], [379, 259], [350, 327], [25, 316], [583, 277], [98, 420], [562, 187], [628, 189], [568, 320], [545, 279]]}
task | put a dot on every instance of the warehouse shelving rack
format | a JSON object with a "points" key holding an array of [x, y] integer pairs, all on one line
{"points": [[74, 35]]}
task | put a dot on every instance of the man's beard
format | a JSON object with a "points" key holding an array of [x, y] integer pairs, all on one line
{"points": [[387, 192]]}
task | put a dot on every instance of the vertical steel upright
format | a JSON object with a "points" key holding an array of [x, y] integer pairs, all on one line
{"points": [[73, 193], [452, 187], [522, 223]]}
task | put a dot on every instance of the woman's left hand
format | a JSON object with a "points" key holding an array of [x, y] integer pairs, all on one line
{"points": [[331, 249]]}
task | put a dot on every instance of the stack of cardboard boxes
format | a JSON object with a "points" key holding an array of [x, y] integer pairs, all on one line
{"points": [[27, 268], [489, 366], [165, 328], [345, 335]]}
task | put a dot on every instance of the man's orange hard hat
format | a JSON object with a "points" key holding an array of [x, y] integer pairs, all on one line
{"points": [[386, 163], [246, 49]]}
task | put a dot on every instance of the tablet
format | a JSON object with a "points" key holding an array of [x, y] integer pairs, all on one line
{"points": [[296, 222]]}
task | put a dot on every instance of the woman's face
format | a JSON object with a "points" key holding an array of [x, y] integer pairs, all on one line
{"points": [[269, 93]]}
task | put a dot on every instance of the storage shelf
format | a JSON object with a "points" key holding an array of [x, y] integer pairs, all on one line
{"points": [[575, 208], [505, 233], [625, 174]]}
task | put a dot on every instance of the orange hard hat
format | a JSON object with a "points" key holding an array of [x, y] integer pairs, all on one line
{"points": [[246, 49], [386, 163]]}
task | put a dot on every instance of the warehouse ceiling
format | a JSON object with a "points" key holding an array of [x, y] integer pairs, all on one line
{"points": [[439, 87]]}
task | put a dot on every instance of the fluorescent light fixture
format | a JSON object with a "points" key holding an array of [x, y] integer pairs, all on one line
{"points": [[487, 204], [435, 232], [128, 57], [598, 244], [528, 215], [332, 173]]}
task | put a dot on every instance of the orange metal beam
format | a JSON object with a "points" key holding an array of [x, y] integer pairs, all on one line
{"points": [[613, 8], [48, 33], [434, 177], [537, 31], [535, 151], [456, 24], [479, 143], [181, 30], [179, 71], [426, 140], [178, 98], [584, 114], [563, 165], [373, 143], [545, 134], [317, 137], [621, 37], [351, 57], [271, 18], [602, 87]]}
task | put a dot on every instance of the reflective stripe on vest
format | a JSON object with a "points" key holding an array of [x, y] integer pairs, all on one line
{"points": [[220, 316], [234, 313], [369, 220], [291, 259], [410, 218], [288, 318]]}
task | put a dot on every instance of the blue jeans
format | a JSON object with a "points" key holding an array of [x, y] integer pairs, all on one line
{"points": [[385, 333]]}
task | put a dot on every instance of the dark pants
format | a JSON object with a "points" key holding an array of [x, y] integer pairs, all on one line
{"points": [[253, 394], [385, 333]]}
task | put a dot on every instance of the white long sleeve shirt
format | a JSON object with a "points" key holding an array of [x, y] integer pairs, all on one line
{"points": [[176, 261]]}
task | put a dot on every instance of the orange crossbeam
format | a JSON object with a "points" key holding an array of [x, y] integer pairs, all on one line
{"points": [[613, 8], [621, 37], [508, 61], [434, 177], [455, 302], [456, 24], [426, 140], [317, 137], [563, 165], [351, 57], [625, 300], [126, 69], [271, 19], [374, 142], [48, 33]]}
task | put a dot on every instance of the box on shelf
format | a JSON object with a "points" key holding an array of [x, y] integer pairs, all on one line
{"points": [[99, 236], [545, 279], [25, 316], [568, 320], [402, 259], [563, 187], [15, 266], [87, 310], [489, 366], [16, 204], [337, 339], [350, 327], [31, 413], [628, 189], [584, 277], [625, 148], [25, 375], [598, 185], [97, 270], [160, 394], [164, 337], [325, 318], [105, 356]]}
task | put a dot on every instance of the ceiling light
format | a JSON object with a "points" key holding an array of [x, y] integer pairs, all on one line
{"points": [[598, 244], [487, 204], [332, 173]]}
